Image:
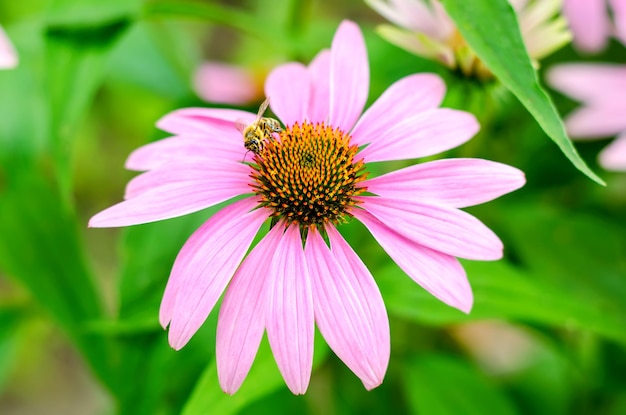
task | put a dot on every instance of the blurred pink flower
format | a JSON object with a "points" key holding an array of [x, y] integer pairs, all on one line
{"points": [[227, 84], [591, 24], [602, 90], [8, 56], [309, 180], [425, 29]]}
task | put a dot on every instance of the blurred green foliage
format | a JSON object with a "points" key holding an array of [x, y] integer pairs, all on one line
{"points": [[94, 77]]}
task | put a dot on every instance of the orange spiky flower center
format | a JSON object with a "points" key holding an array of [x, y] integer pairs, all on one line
{"points": [[309, 175]]}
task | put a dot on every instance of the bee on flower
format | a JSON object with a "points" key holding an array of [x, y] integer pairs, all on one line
{"points": [[308, 181]]}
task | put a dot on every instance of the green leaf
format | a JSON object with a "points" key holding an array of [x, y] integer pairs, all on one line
{"points": [[442, 385], [491, 29], [40, 245], [41, 249], [505, 292], [75, 60]]}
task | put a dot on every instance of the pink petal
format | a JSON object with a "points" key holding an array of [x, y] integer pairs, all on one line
{"points": [[591, 83], [218, 175], [8, 56], [168, 201], [349, 76], [204, 266], [619, 18], [319, 70], [289, 87], [242, 315], [208, 121], [441, 228], [613, 157], [349, 309], [594, 122], [188, 148], [451, 182], [589, 23], [289, 314], [224, 83], [440, 274], [423, 134], [409, 95], [417, 16]]}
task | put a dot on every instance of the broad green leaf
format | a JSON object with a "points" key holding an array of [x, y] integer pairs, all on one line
{"points": [[41, 249], [491, 29], [442, 385], [503, 291], [40, 245], [75, 63], [580, 252], [263, 379], [23, 100]]}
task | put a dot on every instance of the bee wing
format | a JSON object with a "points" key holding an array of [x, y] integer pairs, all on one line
{"points": [[240, 125], [262, 108]]}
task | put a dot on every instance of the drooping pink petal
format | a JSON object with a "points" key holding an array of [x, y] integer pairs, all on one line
{"points": [[319, 70], [188, 148], [169, 201], [204, 266], [8, 56], [218, 175], [438, 227], [619, 19], [394, 11], [423, 134], [225, 83], [440, 274], [593, 83], [451, 182], [613, 157], [242, 315], [596, 121], [417, 16], [289, 88], [289, 313], [409, 95], [589, 22], [208, 121], [349, 309], [349, 76]]}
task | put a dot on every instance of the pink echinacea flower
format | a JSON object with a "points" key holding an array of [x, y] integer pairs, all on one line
{"points": [[423, 27], [308, 180], [591, 24], [602, 90], [8, 56]]}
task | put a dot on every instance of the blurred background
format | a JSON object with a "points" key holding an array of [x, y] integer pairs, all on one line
{"points": [[79, 332]]}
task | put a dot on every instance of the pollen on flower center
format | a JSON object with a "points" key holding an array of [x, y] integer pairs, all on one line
{"points": [[309, 176]]}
